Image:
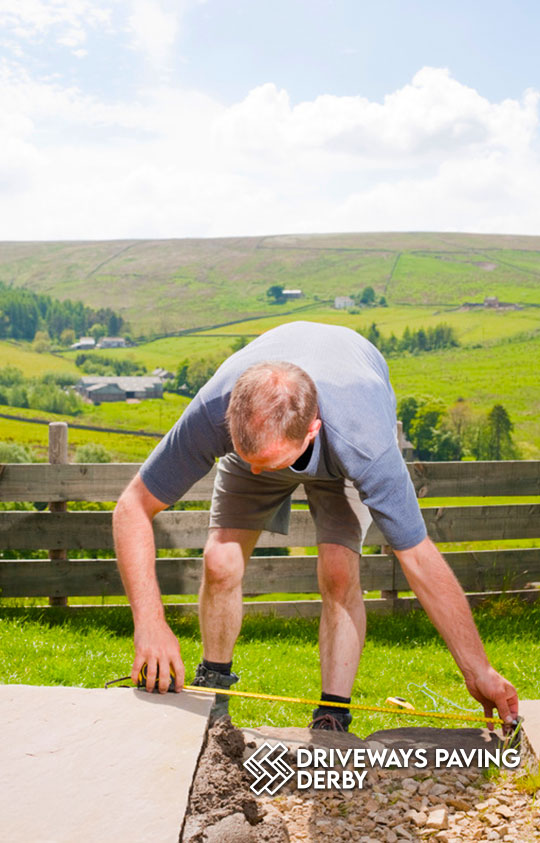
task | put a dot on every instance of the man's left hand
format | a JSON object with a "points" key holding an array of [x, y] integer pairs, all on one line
{"points": [[494, 691]]}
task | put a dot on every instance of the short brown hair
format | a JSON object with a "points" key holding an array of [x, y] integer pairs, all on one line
{"points": [[272, 400]]}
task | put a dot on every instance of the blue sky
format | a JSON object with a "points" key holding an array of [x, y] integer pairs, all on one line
{"points": [[154, 118]]}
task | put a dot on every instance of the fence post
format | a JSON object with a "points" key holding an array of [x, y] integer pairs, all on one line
{"points": [[390, 594], [58, 455]]}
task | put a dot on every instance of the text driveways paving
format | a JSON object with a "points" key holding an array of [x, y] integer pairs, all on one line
{"points": [[86, 765]]}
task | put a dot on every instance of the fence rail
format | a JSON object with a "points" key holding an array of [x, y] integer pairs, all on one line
{"points": [[105, 482], [93, 530], [61, 531]]}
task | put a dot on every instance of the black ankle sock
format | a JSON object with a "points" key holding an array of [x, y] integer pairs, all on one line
{"points": [[219, 667], [330, 708]]}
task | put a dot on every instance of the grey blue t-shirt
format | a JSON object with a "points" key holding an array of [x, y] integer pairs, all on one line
{"points": [[357, 439]]}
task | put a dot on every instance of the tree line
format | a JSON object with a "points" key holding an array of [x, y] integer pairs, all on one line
{"points": [[99, 364], [457, 432], [434, 338], [23, 314], [48, 393]]}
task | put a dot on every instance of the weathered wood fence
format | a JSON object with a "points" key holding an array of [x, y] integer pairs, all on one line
{"points": [[58, 530]]}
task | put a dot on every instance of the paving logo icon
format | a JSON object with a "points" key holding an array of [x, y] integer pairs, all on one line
{"points": [[268, 768]]}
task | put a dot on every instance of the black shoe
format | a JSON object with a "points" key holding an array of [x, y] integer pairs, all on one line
{"points": [[205, 678], [336, 721]]}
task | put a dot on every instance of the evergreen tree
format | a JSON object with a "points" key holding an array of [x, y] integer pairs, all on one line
{"points": [[368, 296], [406, 411], [423, 429], [500, 445], [275, 292], [374, 335]]}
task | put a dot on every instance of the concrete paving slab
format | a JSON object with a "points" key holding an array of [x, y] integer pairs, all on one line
{"points": [[530, 711], [88, 765]]}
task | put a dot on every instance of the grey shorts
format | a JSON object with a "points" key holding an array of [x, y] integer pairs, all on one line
{"points": [[245, 501]]}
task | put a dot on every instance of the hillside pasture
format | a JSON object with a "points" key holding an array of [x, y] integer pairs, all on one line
{"points": [[164, 286], [483, 325], [506, 373], [122, 447], [453, 278], [155, 415], [32, 364], [168, 352]]}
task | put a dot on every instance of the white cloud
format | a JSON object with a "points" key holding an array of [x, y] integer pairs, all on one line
{"points": [[154, 29], [30, 17], [433, 116], [434, 155], [65, 21], [155, 26]]}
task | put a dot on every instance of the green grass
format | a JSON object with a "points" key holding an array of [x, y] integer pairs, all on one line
{"points": [[155, 415], [31, 363], [497, 372], [455, 278], [123, 448], [528, 782], [167, 285], [471, 326], [506, 373], [88, 648]]}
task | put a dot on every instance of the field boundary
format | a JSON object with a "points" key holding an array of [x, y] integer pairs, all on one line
{"points": [[60, 532]]}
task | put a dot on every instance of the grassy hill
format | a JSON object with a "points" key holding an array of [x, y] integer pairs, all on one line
{"points": [[165, 286], [169, 286]]}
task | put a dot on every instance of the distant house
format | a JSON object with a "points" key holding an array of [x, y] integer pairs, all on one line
{"points": [[292, 294], [163, 374], [112, 342], [343, 302], [84, 343], [491, 301], [100, 388]]}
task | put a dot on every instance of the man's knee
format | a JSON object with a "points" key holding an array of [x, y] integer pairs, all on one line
{"points": [[223, 564], [338, 571]]}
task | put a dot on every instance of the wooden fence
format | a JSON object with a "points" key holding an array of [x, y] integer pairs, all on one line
{"points": [[60, 531]]}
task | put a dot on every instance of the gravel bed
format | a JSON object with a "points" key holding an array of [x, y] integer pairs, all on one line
{"points": [[394, 805], [444, 806]]}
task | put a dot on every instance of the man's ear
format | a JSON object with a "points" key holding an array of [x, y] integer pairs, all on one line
{"points": [[314, 428]]}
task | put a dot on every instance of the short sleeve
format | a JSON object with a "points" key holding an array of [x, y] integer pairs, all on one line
{"points": [[185, 454], [386, 488]]}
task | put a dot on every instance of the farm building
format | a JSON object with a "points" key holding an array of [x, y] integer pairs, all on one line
{"points": [[343, 302], [99, 388], [162, 374], [84, 342], [292, 294], [112, 342]]}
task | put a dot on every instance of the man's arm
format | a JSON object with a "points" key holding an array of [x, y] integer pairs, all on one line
{"points": [[155, 642], [444, 601]]}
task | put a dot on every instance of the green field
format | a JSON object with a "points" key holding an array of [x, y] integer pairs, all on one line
{"points": [[31, 363], [166, 286], [123, 448], [88, 648], [498, 361], [507, 373]]}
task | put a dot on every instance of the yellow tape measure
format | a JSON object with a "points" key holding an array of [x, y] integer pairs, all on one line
{"points": [[400, 706], [440, 715]]}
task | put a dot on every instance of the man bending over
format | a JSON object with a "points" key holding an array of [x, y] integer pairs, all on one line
{"points": [[307, 404]]}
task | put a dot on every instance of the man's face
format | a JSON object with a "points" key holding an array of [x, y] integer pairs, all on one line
{"points": [[280, 454]]}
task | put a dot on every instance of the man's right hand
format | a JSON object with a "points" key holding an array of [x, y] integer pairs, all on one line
{"points": [[157, 646], [155, 642]]}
